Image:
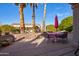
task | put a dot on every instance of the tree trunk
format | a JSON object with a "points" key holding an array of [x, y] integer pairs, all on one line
{"points": [[44, 18], [33, 19], [22, 25]]}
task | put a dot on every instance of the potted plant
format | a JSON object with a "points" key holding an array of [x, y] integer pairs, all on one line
{"points": [[4, 43], [6, 33]]}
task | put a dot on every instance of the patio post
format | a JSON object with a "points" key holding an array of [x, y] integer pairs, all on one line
{"points": [[75, 8]]}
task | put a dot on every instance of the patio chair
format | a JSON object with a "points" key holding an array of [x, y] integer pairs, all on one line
{"points": [[49, 36], [62, 35]]}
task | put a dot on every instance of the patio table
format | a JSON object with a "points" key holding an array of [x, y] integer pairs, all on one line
{"points": [[52, 35], [56, 35]]}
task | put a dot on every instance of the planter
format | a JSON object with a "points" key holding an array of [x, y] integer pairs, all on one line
{"points": [[4, 43], [6, 33]]}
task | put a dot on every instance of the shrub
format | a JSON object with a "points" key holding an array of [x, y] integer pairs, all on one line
{"points": [[16, 31], [66, 22], [50, 28], [7, 28], [69, 29]]}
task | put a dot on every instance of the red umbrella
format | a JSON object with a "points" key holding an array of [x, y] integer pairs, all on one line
{"points": [[56, 22]]}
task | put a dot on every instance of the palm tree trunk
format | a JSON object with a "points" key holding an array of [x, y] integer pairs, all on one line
{"points": [[33, 18], [22, 25], [44, 18], [43, 25]]}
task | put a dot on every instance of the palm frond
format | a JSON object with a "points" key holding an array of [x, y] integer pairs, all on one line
{"points": [[24, 5], [36, 5], [31, 5], [16, 4]]}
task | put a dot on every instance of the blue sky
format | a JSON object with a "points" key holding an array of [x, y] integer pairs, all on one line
{"points": [[9, 13]]}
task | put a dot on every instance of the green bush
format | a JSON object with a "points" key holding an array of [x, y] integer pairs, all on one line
{"points": [[0, 29], [50, 28], [16, 31], [8, 28], [69, 29], [66, 22]]}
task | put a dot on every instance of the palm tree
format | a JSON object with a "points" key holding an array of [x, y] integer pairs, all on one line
{"points": [[21, 8], [33, 6], [44, 18]]}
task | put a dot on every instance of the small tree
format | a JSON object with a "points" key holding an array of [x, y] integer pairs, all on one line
{"points": [[69, 29], [66, 22], [50, 28], [7, 28]]}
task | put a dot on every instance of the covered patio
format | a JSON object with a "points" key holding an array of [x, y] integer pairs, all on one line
{"points": [[39, 46]]}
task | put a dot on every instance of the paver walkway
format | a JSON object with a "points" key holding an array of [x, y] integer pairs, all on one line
{"points": [[37, 47]]}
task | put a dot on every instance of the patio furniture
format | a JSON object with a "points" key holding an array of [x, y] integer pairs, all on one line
{"points": [[62, 35], [55, 36], [51, 36]]}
